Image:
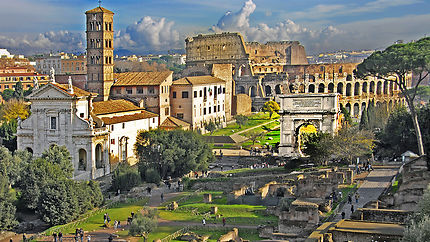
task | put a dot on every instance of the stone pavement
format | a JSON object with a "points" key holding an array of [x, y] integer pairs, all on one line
{"points": [[372, 187]]}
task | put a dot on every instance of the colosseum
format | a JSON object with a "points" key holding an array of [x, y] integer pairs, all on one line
{"points": [[265, 71]]}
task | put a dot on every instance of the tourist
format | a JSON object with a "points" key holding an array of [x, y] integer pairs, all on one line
{"points": [[60, 237], [349, 199], [119, 224], [81, 234], [132, 215], [223, 222], [24, 238], [89, 238], [162, 197], [356, 197], [55, 236], [110, 238], [148, 189], [343, 214], [108, 219], [115, 224], [352, 208], [105, 218], [204, 222]]}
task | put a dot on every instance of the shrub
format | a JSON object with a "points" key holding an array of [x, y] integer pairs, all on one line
{"points": [[125, 177], [142, 225], [152, 176]]}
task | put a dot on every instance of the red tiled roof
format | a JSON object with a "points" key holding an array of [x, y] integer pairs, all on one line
{"points": [[21, 74], [174, 123], [126, 118], [140, 78], [114, 106], [76, 91], [198, 80], [99, 10]]}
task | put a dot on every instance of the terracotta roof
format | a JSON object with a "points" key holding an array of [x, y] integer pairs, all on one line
{"points": [[198, 80], [173, 123], [22, 74], [77, 92], [114, 106], [99, 10], [140, 78], [126, 118]]}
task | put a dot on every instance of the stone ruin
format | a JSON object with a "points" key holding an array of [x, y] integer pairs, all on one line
{"points": [[232, 236]]}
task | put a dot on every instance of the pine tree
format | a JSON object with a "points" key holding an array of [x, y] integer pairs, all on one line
{"points": [[364, 122]]}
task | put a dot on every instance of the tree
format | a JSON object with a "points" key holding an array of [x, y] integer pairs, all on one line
{"points": [[8, 134], [346, 116], [19, 91], [254, 135], [395, 64], [14, 109], [142, 226], [399, 135], [364, 121], [211, 126], [172, 153], [271, 107], [125, 177], [317, 146], [241, 120], [61, 156], [7, 208], [7, 94]]}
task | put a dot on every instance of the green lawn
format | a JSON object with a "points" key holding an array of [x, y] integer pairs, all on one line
{"points": [[275, 134], [234, 214], [254, 120], [95, 221]]}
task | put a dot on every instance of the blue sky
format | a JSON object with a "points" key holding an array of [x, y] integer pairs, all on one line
{"points": [[141, 26]]}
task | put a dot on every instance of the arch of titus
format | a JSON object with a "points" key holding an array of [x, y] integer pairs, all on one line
{"points": [[320, 110]]}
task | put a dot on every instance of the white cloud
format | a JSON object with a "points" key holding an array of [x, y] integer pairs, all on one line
{"points": [[148, 34], [43, 43]]}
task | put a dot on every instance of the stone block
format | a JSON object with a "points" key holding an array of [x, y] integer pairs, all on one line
{"points": [[214, 210]]}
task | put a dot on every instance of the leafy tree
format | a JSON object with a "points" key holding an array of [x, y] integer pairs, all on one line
{"points": [[7, 208], [172, 153], [142, 226], [350, 142], [346, 116], [19, 91], [254, 135], [61, 156], [13, 165], [317, 146], [7, 94], [211, 126], [364, 121], [125, 177], [241, 120], [399, 134], [28, 91], [271, 107], [395, 64], [8, 134], [13, 109]]}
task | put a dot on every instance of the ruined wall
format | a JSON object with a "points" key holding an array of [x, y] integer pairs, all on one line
{"points": [[383, 215], [282, 52], [241, 105], [224, 72]]}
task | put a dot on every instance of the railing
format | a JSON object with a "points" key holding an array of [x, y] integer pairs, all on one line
{"points": [[175, 235]]}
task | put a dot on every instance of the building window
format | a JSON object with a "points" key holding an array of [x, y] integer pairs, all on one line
{"points": [[209, 110], [219, 110], [174, 94], [180, 115], [166, 111], [151, 90], [195, 94], [153, 120], [223, 90], [214, 109], [111, 127], [129, 90], [204, 111], [118, 91], [185, 94], [53, 124], [201, 93], [123, 125], [140, 90], [81, 115], [112, 141]]}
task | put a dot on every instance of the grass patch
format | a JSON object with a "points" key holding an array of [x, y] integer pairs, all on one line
{"points": [[253, 120], [161, 232], [275, 135], [120, 211], [234, 214]]}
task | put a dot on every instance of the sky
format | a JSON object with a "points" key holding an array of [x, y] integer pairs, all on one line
{"points": [[155, 26]]}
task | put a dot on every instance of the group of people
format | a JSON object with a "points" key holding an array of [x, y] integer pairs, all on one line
{"points": [[106, 219]]}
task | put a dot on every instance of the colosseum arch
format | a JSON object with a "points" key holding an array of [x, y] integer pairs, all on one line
{"points": [[372, 87], [252, 91], [356, 89], [339, 88], [321, 88], [356, 110], [302, 88], [385, 87], [291, 88], [311, 88], [268, 90], [364, 87], [330, 87], [363, 106], [321, 110], [241, 90], [379, 88], [348, 107], [278, 89], [348, 89]]}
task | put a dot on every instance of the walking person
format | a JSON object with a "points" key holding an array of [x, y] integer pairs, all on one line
{"points": [[352, 208], [88, 238], [60, 237], [81, 234], [223, 221], [343, 214], [204, 222], [357, 196], [162, 197], [55, 236], [349, 199]]}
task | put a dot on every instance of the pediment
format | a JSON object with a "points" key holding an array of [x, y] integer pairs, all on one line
{"points": [[49, 92]]}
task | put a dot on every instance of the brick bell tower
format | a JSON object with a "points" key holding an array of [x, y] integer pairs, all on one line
{"points": [[99, 51]]}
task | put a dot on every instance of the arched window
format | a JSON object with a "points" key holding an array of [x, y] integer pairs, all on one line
{"points": [[82, 160], [330, 87], [356, 89], [321, 88], [339, 88], [311, 88], [348, 89], [278, 89], [268, 90], [99, 156], [364, 87]]}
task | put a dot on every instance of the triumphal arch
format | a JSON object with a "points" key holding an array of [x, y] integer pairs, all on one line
{"points": [[320, 110]]}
